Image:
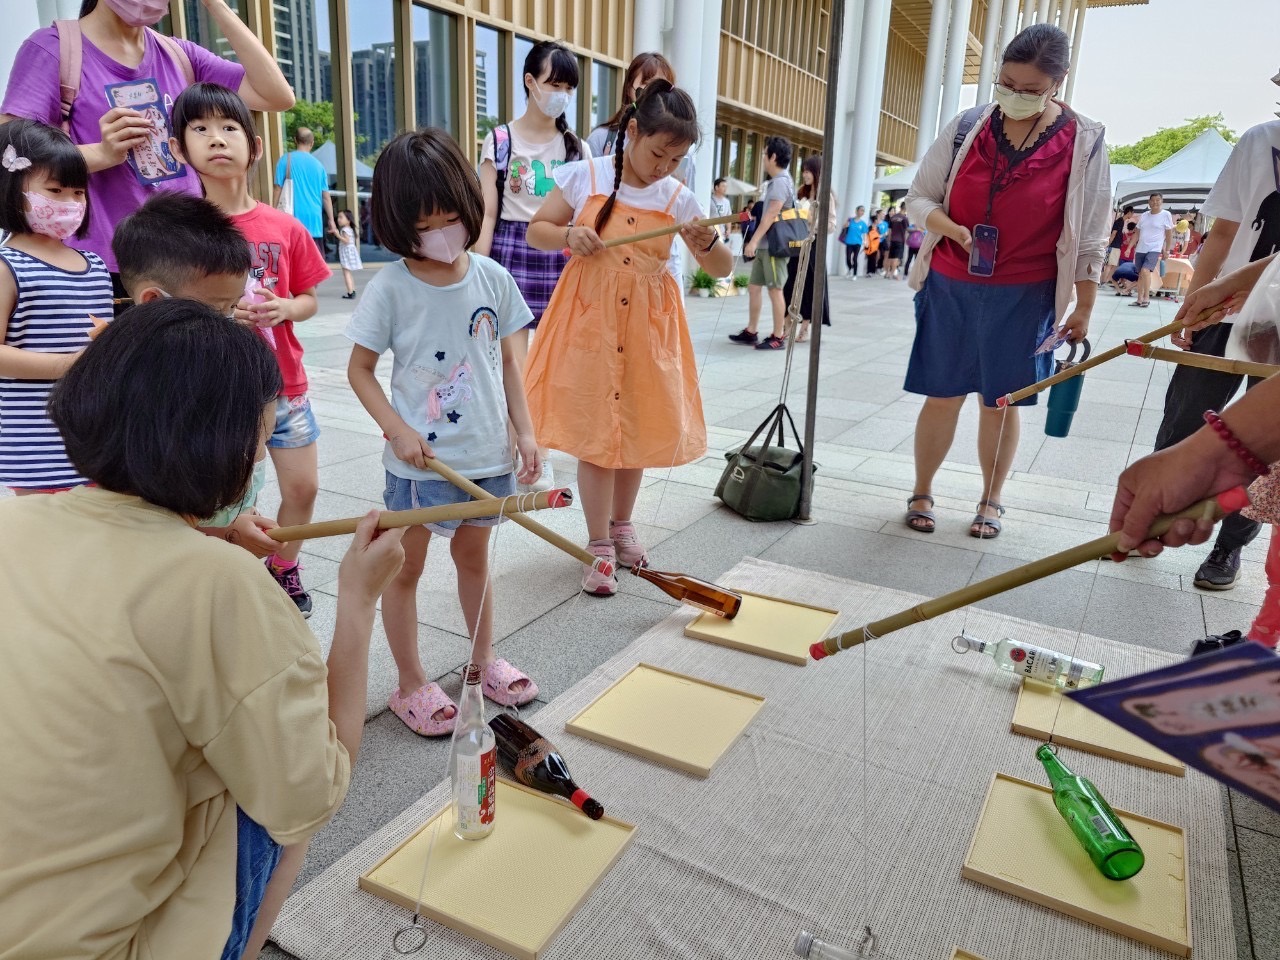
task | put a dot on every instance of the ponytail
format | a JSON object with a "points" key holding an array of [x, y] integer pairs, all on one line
{"points": [[572, 145], [603, 216]]}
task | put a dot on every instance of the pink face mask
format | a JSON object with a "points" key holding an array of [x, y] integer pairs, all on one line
{"points": [[445, 244], [139, 13], [54, 218]]}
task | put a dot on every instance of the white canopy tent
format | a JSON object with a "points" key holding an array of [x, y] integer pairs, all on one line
{"points": [[1184, 179], [327, 154], [1121, 172], [896, 183]]}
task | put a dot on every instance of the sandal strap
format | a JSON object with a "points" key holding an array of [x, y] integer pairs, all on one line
{"points": [[920, 496], [991, 503]]}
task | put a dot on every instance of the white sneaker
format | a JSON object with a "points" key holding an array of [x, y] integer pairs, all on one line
{"points": [[546, 480]]}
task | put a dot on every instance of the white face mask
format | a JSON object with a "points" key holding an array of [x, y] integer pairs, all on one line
{"points": [[446, 244], [552, 104], [1020, 106], [227, 515]]}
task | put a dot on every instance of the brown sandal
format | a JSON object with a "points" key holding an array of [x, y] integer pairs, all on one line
{"points": [[922, 516]]}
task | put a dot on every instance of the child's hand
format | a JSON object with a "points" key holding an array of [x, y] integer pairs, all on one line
{"points": [[697, 238], [412, 449], [584, 242], [247, 530], [530, 459], [271, 311]]}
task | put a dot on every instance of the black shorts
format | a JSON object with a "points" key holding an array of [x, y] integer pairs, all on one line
{"points": [[895, 249]]}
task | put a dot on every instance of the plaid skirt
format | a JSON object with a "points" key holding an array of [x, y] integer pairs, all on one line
{"points": [[535, 271]]}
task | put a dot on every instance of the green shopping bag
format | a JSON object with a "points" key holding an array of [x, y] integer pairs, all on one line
{"points": [[762, 480]]}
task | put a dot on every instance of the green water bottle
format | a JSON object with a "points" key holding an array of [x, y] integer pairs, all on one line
{"points": [[1104, 837]]}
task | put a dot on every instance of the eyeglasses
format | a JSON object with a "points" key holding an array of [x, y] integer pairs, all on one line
{"points": [[1027, 97]]}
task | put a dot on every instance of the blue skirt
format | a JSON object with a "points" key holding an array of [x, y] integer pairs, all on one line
{"points": [[979, 338]]}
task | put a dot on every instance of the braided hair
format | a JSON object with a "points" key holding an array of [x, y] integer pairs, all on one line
{"points": [[662, 109], [564, 69]]}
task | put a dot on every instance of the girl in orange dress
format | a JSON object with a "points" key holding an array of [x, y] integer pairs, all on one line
{"points": [[612, 377]]}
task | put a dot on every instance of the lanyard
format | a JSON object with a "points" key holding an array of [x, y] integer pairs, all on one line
{"points": [[1001, 179]]}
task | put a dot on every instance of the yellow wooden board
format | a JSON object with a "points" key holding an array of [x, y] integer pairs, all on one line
{"points": [[1042, 710], [667, 717], [1023, 846], [965, 955], [479, 887], [767, 626]]}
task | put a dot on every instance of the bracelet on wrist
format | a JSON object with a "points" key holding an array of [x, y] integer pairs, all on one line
{"points": [[1251, 460], [712, 245], [567, 230]]}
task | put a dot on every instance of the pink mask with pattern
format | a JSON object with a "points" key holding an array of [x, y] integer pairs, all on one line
{"points": [[54, 218]]}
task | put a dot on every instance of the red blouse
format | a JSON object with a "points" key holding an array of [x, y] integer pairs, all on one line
{"points": [[1028, 211]]}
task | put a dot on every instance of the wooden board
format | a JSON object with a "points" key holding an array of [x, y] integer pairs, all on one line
{"points": [[965, 955], [1042, 710], [767, 626], [483, 888], [670, 718], [1023, 847]]}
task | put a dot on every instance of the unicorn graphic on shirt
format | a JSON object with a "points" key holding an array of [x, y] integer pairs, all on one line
{"points": [[447, 393]]}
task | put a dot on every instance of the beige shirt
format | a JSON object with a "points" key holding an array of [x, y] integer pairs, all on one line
{"points": [[151, 680]]}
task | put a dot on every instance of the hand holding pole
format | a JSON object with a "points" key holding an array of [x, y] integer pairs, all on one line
{"points": [[742, 217]]}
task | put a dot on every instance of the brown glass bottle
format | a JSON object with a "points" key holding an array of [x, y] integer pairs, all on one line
{"points": [[536, 763], [697, 593]]}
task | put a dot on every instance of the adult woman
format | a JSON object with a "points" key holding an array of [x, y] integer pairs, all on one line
{"points": [[1029, 180], [124, 134], [163, 744], [516, 167], [807, 199]]}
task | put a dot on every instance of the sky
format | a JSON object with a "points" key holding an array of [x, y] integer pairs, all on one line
{"points": [[1189, 58]]}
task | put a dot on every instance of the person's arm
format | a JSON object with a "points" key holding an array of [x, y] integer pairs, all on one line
{"points": [[1224, 296], [550, 229], [1091, 248], [489, 188], [929, 187], [1213, 254], [767, 218], [249, 531], [264, 86], [1168, 242], [406, 443], [22, 364], [518, 413], [712, 255], [276, 309], [326, 201]]}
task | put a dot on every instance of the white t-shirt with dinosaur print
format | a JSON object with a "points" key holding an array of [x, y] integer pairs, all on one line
{"points": [[529, 171]]}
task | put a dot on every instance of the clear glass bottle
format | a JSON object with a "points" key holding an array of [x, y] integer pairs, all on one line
{"points": [[473, 768], [1032, 662], [807, 945], [1102, 834]]}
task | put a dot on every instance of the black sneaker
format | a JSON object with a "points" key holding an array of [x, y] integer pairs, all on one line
{"points": [[771, 343], [744, 336], [291, 583], [1220, 571], [1219, 641]]}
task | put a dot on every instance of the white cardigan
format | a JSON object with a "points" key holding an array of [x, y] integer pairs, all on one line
{"points": [[1085, 225]]}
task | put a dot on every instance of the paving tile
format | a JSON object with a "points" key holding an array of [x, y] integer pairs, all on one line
{"points": [[1260, 875], [1249, 813]]}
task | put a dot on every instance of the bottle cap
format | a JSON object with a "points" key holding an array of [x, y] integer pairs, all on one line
{"points": [[804, 943], [472, 675], [963, 643]]}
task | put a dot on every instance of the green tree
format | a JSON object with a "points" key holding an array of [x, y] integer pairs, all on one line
{"points": [[304, 113], [1167, 141], [485, 125]]}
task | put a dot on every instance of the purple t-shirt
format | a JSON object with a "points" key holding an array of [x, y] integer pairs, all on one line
{"points": [[116, 192]]}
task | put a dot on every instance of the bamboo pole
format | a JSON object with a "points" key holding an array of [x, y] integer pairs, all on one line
{"points": [[1214, 508], [553, 538], [742, 217], [390, 519], [1203, 361]]}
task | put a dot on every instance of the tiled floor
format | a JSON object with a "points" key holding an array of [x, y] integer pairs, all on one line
{"points": [[1060, 494]]}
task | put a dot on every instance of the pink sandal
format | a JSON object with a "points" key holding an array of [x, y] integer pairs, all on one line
{"points": [[418, 710], [497, 681]]}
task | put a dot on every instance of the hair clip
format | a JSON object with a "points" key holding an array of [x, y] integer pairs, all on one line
{"points": [[12, 162]]}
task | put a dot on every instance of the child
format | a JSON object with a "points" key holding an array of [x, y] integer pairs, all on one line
{"points": [[447, 317], [348, 252], [49, 297], [612, 376], [214, 133], [203, 258], [1264, 494], [517, 167]]}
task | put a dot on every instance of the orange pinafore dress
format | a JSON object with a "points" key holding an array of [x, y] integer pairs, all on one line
{"points": [[612, 378]]}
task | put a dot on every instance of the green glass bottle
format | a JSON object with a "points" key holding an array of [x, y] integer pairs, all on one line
{"points": [[1102, 834]]}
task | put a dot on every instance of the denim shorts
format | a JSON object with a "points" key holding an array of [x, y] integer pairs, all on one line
{"points": [[402, 494], [295, 423], [256, 857], [1147, 261]]}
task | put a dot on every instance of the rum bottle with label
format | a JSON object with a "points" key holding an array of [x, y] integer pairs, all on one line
{"points": [[697, 593], [1102, 834], [472, 764], [535, 762], [1032, 662]]}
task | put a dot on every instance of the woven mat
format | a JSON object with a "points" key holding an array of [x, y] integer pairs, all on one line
{"points": [[733, 866]]}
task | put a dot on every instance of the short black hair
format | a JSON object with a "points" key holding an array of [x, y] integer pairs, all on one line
{"points": [[718, 181], [175, 238], [203, 101], [51, 153], [1129, 208], [1042, 46], [192, 451], [421, 173], [780, 149], [1154, 195]]}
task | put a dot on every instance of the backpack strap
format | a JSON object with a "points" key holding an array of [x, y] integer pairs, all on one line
{"points": [[176, 54], [70, 50], [967, 121], [610, 138], [502, 148]]}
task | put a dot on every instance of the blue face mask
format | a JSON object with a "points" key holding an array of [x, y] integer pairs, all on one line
{"points": [[227, 515]]}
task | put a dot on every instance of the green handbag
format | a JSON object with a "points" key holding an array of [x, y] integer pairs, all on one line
{"points": [[761, 480]]}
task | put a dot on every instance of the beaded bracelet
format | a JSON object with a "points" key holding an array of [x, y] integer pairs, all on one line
{"points": [[1231, 440]]}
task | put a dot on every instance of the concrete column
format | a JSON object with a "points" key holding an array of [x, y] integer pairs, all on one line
{"points": [[838, 151], [990, 53], [1028, 14], [1042, 11], [1008, 30], [646, 28], [867, 99], [705, 100], [953, 74], [930, 91], [1077, 36], [1055, 11]]}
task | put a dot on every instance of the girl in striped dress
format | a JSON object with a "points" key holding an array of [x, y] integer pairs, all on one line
{"points": [[50, 298]]}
